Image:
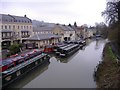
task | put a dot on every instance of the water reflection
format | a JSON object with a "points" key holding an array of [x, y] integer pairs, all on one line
{"points": [[66, 59], [97, 44], [29, 76]]}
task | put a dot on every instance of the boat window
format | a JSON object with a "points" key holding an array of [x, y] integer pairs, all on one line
{"points": [[21, 60], [27, 58], [10, 65]]}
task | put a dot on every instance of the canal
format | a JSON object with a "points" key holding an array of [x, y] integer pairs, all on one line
{"points": [[75, 71]]}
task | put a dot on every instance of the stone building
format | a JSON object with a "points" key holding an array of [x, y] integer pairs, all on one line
{"points": [[14, 28], [65, 31], [42, 40]]}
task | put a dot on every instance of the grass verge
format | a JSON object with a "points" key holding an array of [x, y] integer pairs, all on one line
{"points": [[108, 71]]}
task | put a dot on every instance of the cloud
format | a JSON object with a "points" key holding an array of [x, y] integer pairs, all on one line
{"points": [[61, 11]]}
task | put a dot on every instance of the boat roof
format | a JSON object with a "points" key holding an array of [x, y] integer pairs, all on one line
{"points": [[24, 64], [66, 46], [71, 47], [15, 58]]}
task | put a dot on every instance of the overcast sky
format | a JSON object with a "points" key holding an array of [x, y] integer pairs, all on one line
{"points": [[56, 11]]}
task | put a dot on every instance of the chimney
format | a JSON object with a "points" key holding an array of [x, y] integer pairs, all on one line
{"points": [[25, 16]]}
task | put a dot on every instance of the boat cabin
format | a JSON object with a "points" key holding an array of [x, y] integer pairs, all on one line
{"points": [[69, 50]]}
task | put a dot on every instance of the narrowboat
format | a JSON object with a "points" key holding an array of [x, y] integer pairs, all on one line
{"points": [[48, 48], [69, 50], [57, 46], [83, 42], [62, 47], [15, 68], [80, 42]]}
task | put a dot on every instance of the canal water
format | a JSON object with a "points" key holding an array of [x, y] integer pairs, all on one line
{"points": [[75, 71]]}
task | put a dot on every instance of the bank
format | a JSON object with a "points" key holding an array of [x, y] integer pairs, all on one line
{"points": [[108, 71]]}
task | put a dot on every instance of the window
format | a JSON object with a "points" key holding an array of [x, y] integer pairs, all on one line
{"points": [[18, 27], [10, 65], [21, 27], [24, 27], [9, 27], [27, 27], [5, 27], [13, 26], [5, 34], [43, 41], [30, 27], [2, 27], [2, 34]]}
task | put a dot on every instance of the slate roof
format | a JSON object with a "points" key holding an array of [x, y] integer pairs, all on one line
{"points": [[50, 26], [12, 18], [43, 36], [66, 28], [44, 28]]}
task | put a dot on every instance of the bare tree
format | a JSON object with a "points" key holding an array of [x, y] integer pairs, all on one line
{"points": [[111, 13]]}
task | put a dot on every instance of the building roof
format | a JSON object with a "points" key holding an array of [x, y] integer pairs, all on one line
{"points": [[12, 18], [43, 36], [65, 27], [42, 28]]}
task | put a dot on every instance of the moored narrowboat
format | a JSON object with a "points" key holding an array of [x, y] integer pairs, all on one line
{"points": [[69, 50], [62, 47], [48, 48], [57, 46], [14, 72]]}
